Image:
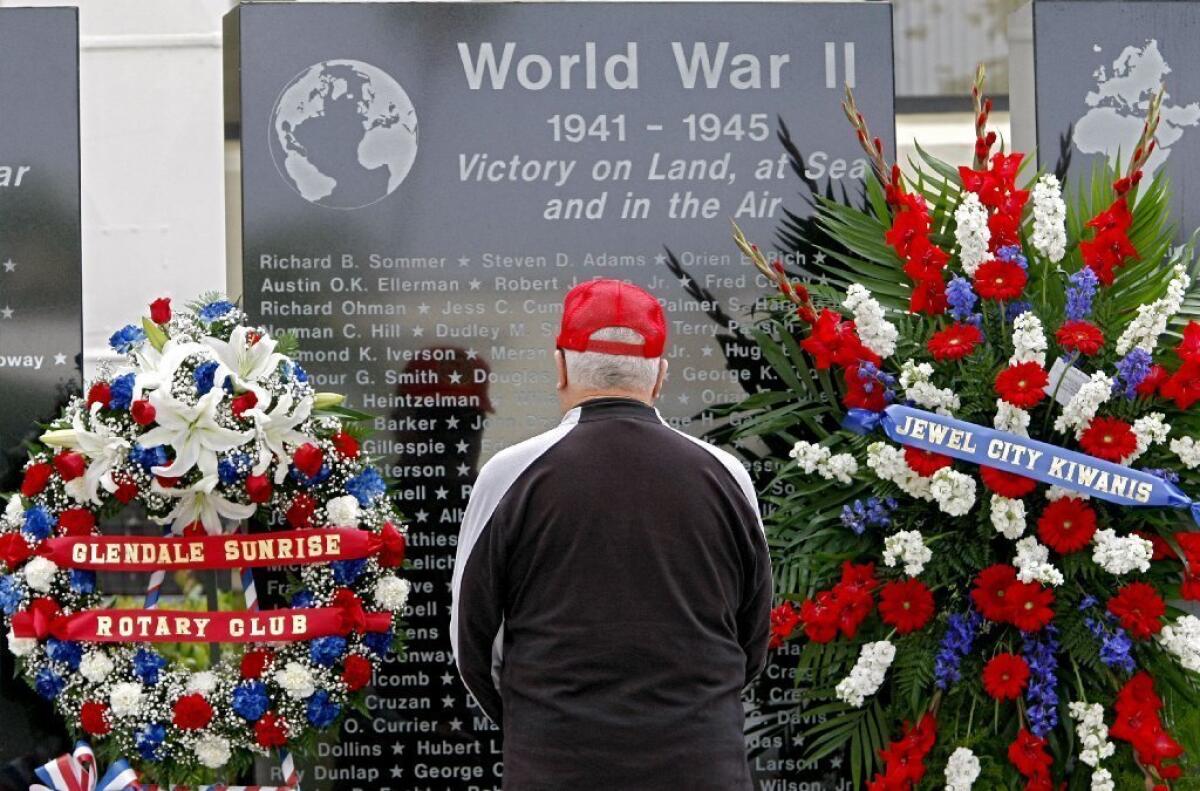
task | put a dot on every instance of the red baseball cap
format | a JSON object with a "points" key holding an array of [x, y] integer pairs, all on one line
{"points": [[597, 304]]}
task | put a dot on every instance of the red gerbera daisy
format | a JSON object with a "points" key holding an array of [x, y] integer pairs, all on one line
{"points": [[906, 605], [1109, 438], [1139, 608], [1005, 676], [999, 280], [1067, 525], [925, 462], [1006, 484], [1080, 336], [991, 592], [1032, 605], [954, 342], [1022, 385]]}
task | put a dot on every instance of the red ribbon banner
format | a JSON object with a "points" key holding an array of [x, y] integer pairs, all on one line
{"points": [[154, 553]]}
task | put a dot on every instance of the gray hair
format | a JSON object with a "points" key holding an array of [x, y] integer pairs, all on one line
{"points": [[612, 372]]}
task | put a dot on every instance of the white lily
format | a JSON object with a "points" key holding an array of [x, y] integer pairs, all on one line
{"points": [[201, 503], [245, 361], [193, 432], [156, 369], [275, 429], [103, 450]]}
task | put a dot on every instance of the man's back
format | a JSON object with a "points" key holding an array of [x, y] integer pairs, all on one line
{"points": [[613, 581]]}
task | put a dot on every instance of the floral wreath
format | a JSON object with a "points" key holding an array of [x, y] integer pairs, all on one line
{"points": [[1002, 340], [214, 424]]}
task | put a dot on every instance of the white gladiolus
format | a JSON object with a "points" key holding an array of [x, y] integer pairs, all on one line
{"points": [[818, 459], [1182, 640], [1092, 732], [953, 491], [972, 233], [875, 331], [1029, 340], [1121, 554], [296, 680], [1049, 218], [1033, 563], [908, 548], [212, 751], [915, 381], [961, 770], [868, 673], [39, 574], [1188, 451], [95, 666], [1008, 516], [1082, 407], [1151, 320], [125, 699]]}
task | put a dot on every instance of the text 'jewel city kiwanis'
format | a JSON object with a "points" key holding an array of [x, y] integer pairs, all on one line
{"points": [[208, 424], [981, 330]]}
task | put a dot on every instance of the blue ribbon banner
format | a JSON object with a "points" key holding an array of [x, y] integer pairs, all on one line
{"points": [[1009, 452]]}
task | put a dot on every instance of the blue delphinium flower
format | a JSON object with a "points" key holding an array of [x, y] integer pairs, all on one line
{"points": [[1170, 476], [303, 599], [956, 644], [345, 572], [121, 392], [1041, 696], [366, 486], [147, 664], [148, 458], [1014, 309], [1116, 647], [38, 523], [250, 700], [1132, 369], [379, 642], [1080, 293], [872, 377], [961, 297], [872, 512], [11, 594], [203, 376], [83, 581], [326, 650], [149, 741], [215, 310], [48, 683], [1013, 255], [126, 339], [321, 710], [66, 651]]}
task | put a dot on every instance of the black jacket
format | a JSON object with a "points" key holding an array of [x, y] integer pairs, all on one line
{"points": [[612, 596]]}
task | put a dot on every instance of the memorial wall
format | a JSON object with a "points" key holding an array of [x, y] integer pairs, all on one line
{"points": [[41, 299], [421, 184]]}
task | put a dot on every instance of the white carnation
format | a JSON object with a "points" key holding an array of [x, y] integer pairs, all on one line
{"points": [[95, 665], [1080, 410], [972, 233], [907, 547], [342, 511], [953, 491], [1092, 732], [1182, 640], [212, 751], [391, 592], [1011, 418], [1121, 554], [203, 682], [21, 646], [961, 770], [1187, 450], [39, 573], [1008, 516], [296, 680], [1033, 563], [1049, 219], [1151, 320], [1029, 340], [875, 331], [915, 381], [125, 699], [868, 673]]}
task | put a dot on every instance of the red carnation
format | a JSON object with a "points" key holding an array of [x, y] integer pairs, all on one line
{"points": [[1067, 525], [255, 662], [925, 462], [1028, 754], [999, 280], [126, 490], [1108, 438], [1005, 676], [99, 393], [14, 549], [1032, 605], [70, 465], [990, 593], [863, 392], [160, 310], [300, 512], [271, 730], [906, 605], [93, 718], [192, 712], [142, 412], [308, 459], [1080, 336], [1183, 386], [1006, 484], [76, 522], [1138, 607], [245, 401], [784, 620], [346, 445], [357, 672], [258, 488], [1022, 385], [954, 342], [36, 477]]}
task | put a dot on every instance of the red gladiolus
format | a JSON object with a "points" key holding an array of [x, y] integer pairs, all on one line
{"points": [[908, 225], [784, 620], [1139, 608], [1032, 605], [863, 392], [1109, 438], [1022, 385], [906, 605], [954, 342], [357, 672], [93, 718], [925, 462], [1067, 525], [243, 402], [255, 662], [70, 465], [308, 459], [160, 310], [820, 617], [1139, 723], [1189, 348], [835, 341], [1005, 229], [1080, 336], [924, 264], [1162, 550], [1005, 676], [300, 513], [76, 522], [904, 759], [1189, 543], [259, 488], [1006, 484], [1183, 387], [36, 477], [346, 445], [1107, 251], [142, 412], [990, 593], [999, 280], [1028, 754], [192, 712], [99, 393], [271, 730], [14, 549], [844, 607], [1154, 380]]}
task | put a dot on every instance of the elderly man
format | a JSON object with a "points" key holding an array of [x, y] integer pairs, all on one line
{"points": [[612, 589]]}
